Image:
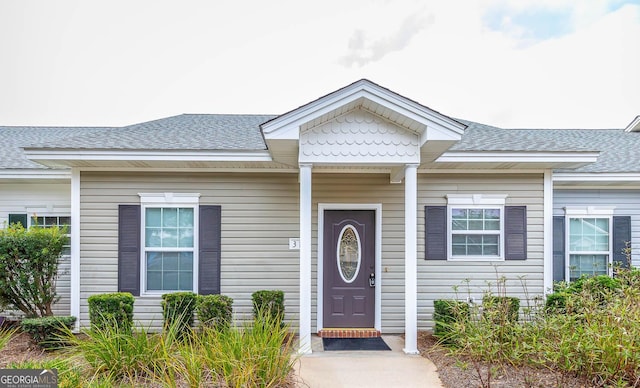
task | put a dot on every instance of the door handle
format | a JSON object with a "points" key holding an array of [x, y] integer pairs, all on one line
{"points": [[372, 279]]}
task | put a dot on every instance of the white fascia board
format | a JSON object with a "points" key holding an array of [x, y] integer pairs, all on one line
{"points": [[287, 125], [596, 177], [167, 155], [16, 173], [514, 157], [634, 125]]}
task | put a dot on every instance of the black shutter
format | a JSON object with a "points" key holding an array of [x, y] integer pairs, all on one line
{"points": [[18, 219], [515, 232], [621, 236], [435, 232], [129, 249], [558, 249], [209, 250]]}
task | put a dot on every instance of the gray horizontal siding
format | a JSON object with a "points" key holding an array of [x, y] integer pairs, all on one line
{"points": [[626, 202], [259, 215], [437, 279]]}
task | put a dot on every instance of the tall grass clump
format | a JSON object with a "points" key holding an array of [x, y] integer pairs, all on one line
{"points": [[447, 313], [258, 354], [70, 374], [5, 336]]}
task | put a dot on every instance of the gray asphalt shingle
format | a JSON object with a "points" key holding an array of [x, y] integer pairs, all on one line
{"points": [[183, 132], [619, 151]]}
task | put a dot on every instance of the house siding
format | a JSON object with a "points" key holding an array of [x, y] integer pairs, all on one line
{"points": [[626, 202], [41, 199], [259, 215], [438, 278]]}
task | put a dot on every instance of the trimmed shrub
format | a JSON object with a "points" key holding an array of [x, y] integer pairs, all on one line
{"points": [[115, 309], [500, 308], [446, 313], [177, 311], [48, 332], [29, 267], [269, 302], [214, 310]]}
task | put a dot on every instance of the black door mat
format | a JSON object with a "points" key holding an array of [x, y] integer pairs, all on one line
{"points": [[375, 343]]}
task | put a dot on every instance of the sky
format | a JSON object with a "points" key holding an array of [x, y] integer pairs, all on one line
{"points": [[513, 64]]}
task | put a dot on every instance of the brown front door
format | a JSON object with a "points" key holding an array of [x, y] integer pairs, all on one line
{"points": [[348, 265]]}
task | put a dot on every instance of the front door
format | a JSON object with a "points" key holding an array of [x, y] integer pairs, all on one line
{"points": [[349, 268]]}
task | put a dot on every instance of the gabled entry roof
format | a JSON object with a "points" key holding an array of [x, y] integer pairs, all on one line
{"points": [[364, 94]]}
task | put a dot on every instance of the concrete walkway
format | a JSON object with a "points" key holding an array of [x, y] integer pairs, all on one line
{"points": [[387, 369]]}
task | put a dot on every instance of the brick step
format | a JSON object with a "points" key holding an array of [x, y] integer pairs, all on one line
{"points": [[348, 333]]}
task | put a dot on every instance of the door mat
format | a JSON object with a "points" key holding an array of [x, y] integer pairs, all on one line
{"points": [[354, 344]]}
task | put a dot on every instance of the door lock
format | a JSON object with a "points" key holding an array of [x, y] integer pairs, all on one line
{"points": [[372, 279]]}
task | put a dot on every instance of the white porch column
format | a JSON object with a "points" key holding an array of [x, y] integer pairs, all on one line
{"points": [[305, 259], [548, 232], [75, 247], [411, 259]]}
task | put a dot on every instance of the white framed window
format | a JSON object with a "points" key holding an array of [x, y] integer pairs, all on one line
{"points": [[54, 221], [475, 226], [169, 244], [589, 241]]}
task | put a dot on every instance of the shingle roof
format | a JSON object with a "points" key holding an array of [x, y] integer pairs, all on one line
{"points": [[13, 138], [183, 132], [619, 150]]}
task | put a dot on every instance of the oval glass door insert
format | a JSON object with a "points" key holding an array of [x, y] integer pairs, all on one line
{"points": [[348, 253]]}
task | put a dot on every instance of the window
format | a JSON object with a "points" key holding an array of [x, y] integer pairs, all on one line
{"points": [[169, 244], [169, 248], [589, 246], [50, 221], [476, 232]]}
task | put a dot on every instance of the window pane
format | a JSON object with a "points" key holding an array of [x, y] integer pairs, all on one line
{"points": [[64, 221], [169, 271], [154, 280], [186, 237], [170, 280], [588, 234], [492, 214], [153, 217], [476, 225], [152, 237], [475, 214], [185, 218], [170, 217], [170, 237], [170, 260], [459, 213], [185, 280], [590, 265], [492, 225], [154, 261], [459, 224], [475, 245]]}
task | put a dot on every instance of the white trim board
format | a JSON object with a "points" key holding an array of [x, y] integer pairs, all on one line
{"points": [[377, 207]]}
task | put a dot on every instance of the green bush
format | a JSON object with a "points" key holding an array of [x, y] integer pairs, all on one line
{"points": [[111, 309], [499, 309], [556, 302], [214, 310], [177, 309], [47, 331], [268, 302], [447, 312], [29, 267]]}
